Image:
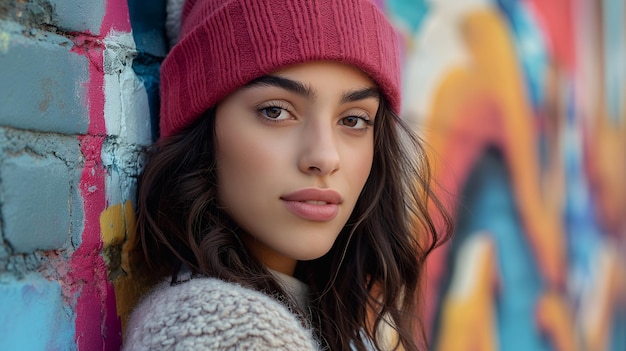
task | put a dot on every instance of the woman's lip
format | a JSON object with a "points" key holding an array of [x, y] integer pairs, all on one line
{"points": [[314, 194], [313, 204], [318, 213]]}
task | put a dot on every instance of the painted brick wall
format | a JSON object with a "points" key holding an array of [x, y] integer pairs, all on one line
{"points": [[77, 91]]}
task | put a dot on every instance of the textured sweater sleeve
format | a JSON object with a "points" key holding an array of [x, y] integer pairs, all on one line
{"points": [[210, 314]]}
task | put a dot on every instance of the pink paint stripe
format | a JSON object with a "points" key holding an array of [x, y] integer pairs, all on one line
{"points": [[112, 324], [88, 270], [97, 324], [116, 17]]}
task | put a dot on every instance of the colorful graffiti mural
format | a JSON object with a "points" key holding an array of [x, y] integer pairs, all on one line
{"points": [[522, 104]]}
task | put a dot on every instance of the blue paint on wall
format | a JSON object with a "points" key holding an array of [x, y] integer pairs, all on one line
{"points": [[618, 334], [410, 13], [148, 23], [42, 82], [35, 187], [32, 316], [79, 16], [149, 35], [531, 49], [614, 57], [488, 205]]}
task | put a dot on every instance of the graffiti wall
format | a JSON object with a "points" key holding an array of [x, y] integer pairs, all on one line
{"points": [[75, 102], [523, 105]]}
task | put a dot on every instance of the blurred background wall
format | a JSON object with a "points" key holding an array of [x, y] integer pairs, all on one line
{"points": [[521, 104]]}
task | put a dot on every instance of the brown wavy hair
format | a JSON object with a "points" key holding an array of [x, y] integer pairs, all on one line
{"points": [[370, 277]]}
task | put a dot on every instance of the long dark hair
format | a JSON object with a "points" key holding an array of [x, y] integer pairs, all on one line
{"points": [[370, 277]]}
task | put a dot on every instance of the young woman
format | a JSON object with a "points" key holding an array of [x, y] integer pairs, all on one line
{"points": [[285, 205]]}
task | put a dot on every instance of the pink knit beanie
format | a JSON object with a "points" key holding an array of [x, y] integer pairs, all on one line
{"points": [[225, 44]]}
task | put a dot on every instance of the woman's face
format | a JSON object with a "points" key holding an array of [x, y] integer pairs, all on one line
{"points": [[294, 150]]}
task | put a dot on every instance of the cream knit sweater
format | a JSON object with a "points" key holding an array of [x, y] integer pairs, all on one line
{"points": [[211, 314]]}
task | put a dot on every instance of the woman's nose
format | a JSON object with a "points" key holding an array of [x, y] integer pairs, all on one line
{"points": [[319, 153]]}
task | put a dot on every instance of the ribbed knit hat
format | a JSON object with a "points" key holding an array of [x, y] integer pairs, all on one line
{"points": [[225, 44]]}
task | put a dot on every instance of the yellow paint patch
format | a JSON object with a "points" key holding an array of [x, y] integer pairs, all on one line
{"points": [[468, 311], [4, 42], [129, 218], [116, 222], [117, 227], [555, 318], [112, 226]]}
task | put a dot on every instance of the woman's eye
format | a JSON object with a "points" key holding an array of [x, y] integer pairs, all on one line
{"points": [[356, 122], [274, 112]]}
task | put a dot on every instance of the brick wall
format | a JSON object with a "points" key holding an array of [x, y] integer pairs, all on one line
{"points": [[77, 92]]}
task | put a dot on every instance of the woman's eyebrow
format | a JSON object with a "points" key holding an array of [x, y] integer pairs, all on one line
{"points": [[361, 94], [284, 83], [306, 91]]}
